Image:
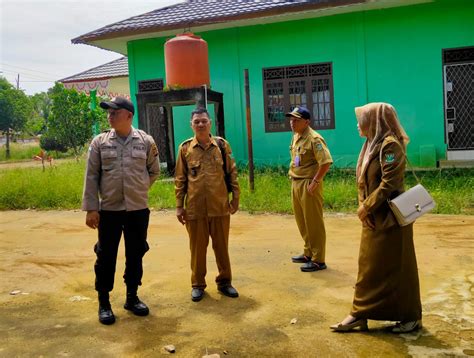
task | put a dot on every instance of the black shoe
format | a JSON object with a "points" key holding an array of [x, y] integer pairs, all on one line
{"points": [[138, 307], [228, 291], [311, 266], [300, 259], [106, 316], [197, 294]]}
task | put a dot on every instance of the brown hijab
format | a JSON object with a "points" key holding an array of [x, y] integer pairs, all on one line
{"points": [[376, 121]]}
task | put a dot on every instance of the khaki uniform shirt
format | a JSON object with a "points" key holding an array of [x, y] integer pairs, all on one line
{"points": [[383, 179], [308, 152], [199, 180], [120, 172]]}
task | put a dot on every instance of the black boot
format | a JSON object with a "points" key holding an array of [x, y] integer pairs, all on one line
{"points": [[106, 316], [134, 304]]}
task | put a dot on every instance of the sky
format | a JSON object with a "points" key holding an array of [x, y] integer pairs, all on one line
{"points": [[35, 37]]}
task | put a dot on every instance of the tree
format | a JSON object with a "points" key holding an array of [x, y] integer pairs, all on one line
{"points": [[15, 109], [101, 115], [70, 121], [42, 104]]}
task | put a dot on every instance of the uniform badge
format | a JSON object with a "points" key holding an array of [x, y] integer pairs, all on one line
{"points": [[154, 149], [389, 158], [297, 160], [319, 146]]}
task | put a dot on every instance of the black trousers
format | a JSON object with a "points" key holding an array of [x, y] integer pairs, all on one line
{"points": [[134, 225]]}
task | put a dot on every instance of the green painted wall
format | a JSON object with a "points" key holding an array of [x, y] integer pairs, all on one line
{"points": [[391, 55]]}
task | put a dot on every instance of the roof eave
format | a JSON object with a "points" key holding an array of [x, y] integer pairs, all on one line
{"points": [[297, 8], [65, 80], [117, 42]]}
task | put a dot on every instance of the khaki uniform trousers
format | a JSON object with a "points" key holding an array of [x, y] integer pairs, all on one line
{"points": [[199, 231], [309, 218]]}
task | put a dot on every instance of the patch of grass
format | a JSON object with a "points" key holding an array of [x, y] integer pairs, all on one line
{"points": [[26, 151], [60, 187], [271, 194], [20, 151], [452, 189], [161, 195]]}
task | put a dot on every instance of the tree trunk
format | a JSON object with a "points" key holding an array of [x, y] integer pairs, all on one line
{"points": [[76, 154], [7, 144]]}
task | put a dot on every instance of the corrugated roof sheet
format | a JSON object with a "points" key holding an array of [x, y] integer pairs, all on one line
{"points": [[195, 13], [115, 68]]}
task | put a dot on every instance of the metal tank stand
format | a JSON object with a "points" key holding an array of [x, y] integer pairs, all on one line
{"points": [[155, 115]]}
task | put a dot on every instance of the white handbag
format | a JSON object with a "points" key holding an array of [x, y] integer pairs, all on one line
{"points": [[413, 203], [410, 205]]}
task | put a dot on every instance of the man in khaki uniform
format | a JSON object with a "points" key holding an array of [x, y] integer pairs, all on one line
{"points": [[202, 201], [121, 166], [310, 161]]}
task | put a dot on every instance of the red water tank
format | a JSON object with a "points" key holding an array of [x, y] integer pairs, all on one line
{"points": [[186, 62]]}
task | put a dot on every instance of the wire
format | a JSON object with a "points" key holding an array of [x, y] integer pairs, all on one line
{"points": [[27, 75], [27, 69]]}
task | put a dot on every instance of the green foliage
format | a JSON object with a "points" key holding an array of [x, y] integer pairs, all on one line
{"points": [[70, 121], [100, 116], [15, 109], [42, 104], [49, 143], [60, 187]]}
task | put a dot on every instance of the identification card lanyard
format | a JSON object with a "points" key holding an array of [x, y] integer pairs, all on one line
{"points": [[297, 157]]}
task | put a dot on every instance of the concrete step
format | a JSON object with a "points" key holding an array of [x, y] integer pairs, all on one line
{"points": [[456, 163]]}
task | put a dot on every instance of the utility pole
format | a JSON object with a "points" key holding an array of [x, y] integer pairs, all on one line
{"points": [[7, 144]]}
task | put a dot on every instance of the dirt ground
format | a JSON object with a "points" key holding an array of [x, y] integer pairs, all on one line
{"points": [[48, 306]]}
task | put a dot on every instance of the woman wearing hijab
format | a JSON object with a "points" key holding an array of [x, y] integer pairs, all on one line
{"points": [[387, 286]]}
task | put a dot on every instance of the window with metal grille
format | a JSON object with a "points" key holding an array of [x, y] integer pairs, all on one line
{"points": [[303, 85]]}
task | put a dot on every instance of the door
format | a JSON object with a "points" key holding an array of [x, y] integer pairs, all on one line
{"points": [[459, 109]]}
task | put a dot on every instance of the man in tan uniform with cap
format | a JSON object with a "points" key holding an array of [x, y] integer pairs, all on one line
{"points": [[121, 166], [310, 161], [205, 175]]}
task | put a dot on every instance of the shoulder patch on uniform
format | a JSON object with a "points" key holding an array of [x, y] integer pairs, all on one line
{"points": [[319, 146], [154, 149], [184, 145], [389, 157]]}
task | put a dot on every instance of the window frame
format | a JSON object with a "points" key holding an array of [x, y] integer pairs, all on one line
{"points": [[285, 78]]}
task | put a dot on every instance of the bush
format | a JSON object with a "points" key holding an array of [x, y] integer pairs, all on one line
{"points": [[49, 143]]}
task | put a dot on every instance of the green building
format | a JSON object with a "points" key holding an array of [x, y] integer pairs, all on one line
{"points": [[331, 55]]}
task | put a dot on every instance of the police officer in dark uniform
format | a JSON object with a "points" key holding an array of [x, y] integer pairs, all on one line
{"points": [[122, 164]]}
